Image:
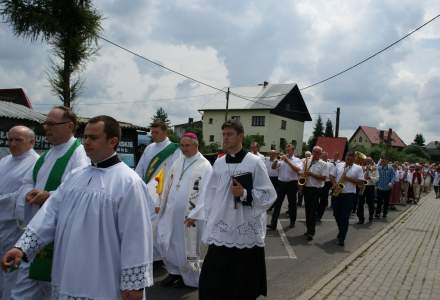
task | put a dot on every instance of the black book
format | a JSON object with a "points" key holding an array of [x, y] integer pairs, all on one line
{"points": [[245, 179]]}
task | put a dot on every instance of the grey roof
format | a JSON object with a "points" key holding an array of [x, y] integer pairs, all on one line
{"points": [[16, 111], [433, 145], [260, 97]]}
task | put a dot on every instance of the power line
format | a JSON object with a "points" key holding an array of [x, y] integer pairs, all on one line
{"points": [[371, 56], [162, 66], [134, 101]]}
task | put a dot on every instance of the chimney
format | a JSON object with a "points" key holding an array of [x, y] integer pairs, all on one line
{"points": [[265, 83], [390, 139], [381, 136], [190, 120]]}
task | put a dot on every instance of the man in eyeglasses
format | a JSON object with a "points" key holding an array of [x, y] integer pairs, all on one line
{"points": [[46, 175]]}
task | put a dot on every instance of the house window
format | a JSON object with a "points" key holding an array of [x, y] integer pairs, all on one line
{"points": [[235, 118], [283, 144], [360, 139], [211, 138], [288, 107], [258, 120], [210, 120], [283, 124]]}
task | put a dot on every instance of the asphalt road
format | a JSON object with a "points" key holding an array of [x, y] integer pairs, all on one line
{"points": [[294, 264]]}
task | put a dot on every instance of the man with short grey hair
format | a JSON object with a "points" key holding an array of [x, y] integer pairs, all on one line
{"points": [[13, 168]]}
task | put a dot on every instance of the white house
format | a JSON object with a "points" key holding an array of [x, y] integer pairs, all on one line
{"points": [[275, 111]]}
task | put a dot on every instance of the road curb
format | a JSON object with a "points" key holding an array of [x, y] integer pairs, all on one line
{"points": [[311, 292]]}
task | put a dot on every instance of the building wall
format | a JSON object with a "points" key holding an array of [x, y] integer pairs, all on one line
{"points": [[360, 138], [272, 131]]}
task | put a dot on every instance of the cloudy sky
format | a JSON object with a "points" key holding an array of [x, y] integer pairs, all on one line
{"points": [[236, 43]]}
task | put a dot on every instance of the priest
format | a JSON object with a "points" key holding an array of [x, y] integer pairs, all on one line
{"points": [[99, 222], [181, 217], [235, 202], [157, 156], [41, 181], [13, 168]]}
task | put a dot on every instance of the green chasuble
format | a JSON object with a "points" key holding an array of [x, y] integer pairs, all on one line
{"points": [[158, 159], [41, 266]]}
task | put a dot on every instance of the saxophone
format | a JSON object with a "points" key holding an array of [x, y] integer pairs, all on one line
{"points": [[340, 185], [303, 178]]}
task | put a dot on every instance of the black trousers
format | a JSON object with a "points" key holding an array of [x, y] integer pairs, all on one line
{"points": [[342, 206], [233, 274], [367, 197], [323, 199], [383, 199], [311, 195], [288, 188], [275, 184]]}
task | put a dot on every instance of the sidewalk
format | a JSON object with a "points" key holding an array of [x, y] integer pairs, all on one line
{"points": [[401, 262]]}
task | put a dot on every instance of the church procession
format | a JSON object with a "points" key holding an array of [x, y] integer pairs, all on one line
{"points": [[77, 223]]}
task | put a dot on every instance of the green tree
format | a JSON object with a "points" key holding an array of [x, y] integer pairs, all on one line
{"points": [[248, 139], [419, 140], [70, 27], [161, 115], [317, 131], [328, 128]]}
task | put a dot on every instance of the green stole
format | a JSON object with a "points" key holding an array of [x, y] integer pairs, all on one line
{"points": [[41, 266], [158, 159]]}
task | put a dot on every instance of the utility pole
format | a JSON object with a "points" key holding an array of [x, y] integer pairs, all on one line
{"points": [[227, 105], [338, 113]]}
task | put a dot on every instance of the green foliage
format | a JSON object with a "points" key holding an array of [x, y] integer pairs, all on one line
{"points": [[211, 148], [411, 153], [317, 131], [248, 139], [328, 128], [162, 115], [70, 27], [419, 140]]}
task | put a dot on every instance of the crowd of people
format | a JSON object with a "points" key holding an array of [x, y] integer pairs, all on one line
{"points": [[349, 184], [77, 223]]}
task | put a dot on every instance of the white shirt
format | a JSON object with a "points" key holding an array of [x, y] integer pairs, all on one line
{"points": [[259, 155], [409, 176], [372, 172], [354, 171], [77, 160], [436, 181], [317, 167], [268, 163], [244, 227], [99, 222], [285, 171]]}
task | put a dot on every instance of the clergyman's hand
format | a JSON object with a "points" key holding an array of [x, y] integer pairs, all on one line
{"points": [[236, 188], [31, 195], [189, 222], [133, 295], [12, 259], [39, 198]]}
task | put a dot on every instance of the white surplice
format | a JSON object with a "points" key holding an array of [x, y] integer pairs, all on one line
{"points": [[150, 151], [12, 171], [79, 159], [99, 222], [245, 226], [177, 243], [26, 288]]}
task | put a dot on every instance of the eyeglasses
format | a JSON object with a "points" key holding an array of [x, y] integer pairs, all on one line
{"points": [[51, 124]]}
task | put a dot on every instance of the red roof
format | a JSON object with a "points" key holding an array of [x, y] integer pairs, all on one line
{"points": [[17, 96], [373, 135], [333, 146]]}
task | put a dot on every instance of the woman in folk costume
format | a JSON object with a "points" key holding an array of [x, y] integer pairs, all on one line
{"points": [[181, 217], [395, 191], [427, 178]]}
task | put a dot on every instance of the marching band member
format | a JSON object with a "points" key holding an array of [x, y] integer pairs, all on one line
{"points": [[368, 193]]}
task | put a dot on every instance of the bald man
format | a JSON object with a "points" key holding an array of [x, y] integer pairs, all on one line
{"points": [[13, 168]]}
